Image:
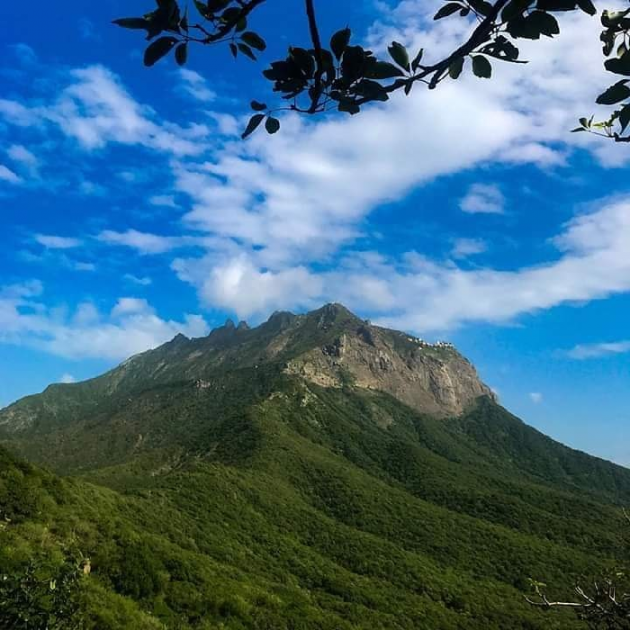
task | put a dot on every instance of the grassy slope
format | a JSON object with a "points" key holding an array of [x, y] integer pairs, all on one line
{"points": [[313, 508]]}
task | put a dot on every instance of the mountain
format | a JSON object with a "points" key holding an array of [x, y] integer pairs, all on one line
{"points": [[314, 472]]}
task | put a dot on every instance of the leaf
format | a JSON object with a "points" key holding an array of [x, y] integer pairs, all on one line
{"points": [[247, 51], [202, 8], [383, 70], [272, 125], [241, 25], [257, 106], [399, 54], [556, 5], [233, 50], [348, 106], [624, 118], [614, 94], [415, 64], [230, 16], [481, 6], [620, 65], [339, 42], [156, 50], [371, 90], [448, 9], [252, 125], [217, 5], [353, 63], [577, 129], [304, 60], [481, 67], [537, 23], [254, 40], [133, 23], [587, 6], [514, 9], [455, 69], [547, 23], [585, 122], [181, 54]]}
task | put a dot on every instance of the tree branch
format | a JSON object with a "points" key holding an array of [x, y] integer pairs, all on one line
{"points": [[317, 47], [478, 37], [228, 26]]}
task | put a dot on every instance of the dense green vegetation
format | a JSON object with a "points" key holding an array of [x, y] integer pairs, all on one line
{"points": [[261, 501]]}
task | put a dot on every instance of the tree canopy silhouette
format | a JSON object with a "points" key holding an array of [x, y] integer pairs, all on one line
{"points": [[347, 76]]}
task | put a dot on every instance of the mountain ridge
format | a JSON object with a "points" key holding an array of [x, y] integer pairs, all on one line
{"points": [[302, 474], [327, 345]]}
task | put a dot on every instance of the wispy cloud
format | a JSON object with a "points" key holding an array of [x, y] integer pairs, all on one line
{"points": [[465, 247], [51, 241], [195, 86], [415, 293], [7, 175], [536, 397], [145, 242], [88, 31], [131, 327], [483, 199], [596, 350], [95, 109], [143, 281], [24, 158], [167, 201]]}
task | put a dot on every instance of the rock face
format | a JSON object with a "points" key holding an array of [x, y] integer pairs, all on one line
{"points": [[431, 378], [331, 347]]}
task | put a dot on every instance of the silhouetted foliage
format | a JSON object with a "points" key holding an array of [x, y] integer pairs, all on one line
{"points": [[346, 76]]}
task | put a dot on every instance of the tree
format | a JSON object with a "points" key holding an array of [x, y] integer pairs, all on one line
{"points": [[345, 77], [604, 605], [41, 596]]}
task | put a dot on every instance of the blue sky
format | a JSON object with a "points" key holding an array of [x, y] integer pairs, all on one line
{"points": [[133, 211]]}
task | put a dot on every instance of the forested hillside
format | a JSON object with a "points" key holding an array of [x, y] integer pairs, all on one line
{"points": [[246, 493]]}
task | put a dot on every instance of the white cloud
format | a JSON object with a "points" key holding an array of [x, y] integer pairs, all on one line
{"points": [[67, 378], [279, 209], [127, 305], [143, 242], [536, 397], [465, 247], [88, 31], [196, 86], [24, 53], [51, 241], [92, 189], [596, 350], [95, 110], [238, 285], [141, 281], [7, 175], [25, 320], [79, 265], [167, 201], [415, 293], [298, 199], [483, 199], [20, 155]]}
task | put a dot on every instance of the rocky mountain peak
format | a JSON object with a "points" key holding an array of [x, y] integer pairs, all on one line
{"points": [[430, 377], [329, 347]]}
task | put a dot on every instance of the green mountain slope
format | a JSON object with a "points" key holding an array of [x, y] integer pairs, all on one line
{"points": [[290, 476]]}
